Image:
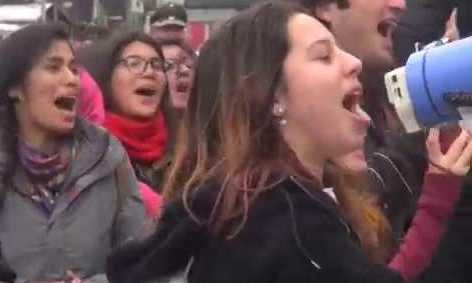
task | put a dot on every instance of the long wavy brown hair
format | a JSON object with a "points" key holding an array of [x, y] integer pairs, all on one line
{"points": [[229, 135]]}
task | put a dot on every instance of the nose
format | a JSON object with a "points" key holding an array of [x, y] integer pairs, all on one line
{"points": [[149, 71], [183, 71], [353, 65], [72, 77], [397, 5]]}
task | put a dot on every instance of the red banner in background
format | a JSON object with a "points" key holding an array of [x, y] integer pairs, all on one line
{"points": [[198, 33]]}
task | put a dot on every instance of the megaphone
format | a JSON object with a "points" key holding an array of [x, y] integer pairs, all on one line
{"points": [[434, 87]]}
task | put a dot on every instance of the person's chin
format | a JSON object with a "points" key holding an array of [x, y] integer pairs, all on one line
{"points": [[179, 104], [144, 115], [357, 145], [146, 110], [179, 98], [62, 129]]}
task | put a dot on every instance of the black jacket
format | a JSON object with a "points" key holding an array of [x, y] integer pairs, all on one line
{"points": [[291, 235], [396, 166], [397, 161]]}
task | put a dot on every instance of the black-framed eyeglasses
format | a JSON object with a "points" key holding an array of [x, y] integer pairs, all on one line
{"points": [[138, 65], [176, 65]]}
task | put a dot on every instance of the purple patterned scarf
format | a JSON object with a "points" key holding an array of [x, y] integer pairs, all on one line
{"points": [[46, 173]]}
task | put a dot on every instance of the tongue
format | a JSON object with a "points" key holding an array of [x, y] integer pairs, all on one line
{"points": [[361, 113]]}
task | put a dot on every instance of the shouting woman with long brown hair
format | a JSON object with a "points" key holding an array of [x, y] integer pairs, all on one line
{"points": [[275, 100]]}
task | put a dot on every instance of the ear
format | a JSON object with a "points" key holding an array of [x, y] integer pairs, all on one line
{"points": [[326, 12]]}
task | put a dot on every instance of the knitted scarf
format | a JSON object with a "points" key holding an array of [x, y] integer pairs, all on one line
{"points": [[46, 173], [144, 140]]}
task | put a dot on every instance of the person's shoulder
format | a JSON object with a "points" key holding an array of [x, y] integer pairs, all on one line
{"points": [[277, 206], [301, 196], [290, 202], [100, 139]]}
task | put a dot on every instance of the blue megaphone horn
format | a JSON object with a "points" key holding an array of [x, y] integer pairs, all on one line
{"points": [[434, 87]]}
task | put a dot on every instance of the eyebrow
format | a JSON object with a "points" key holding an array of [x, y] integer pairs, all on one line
{"points": [[324, 41], [59, 60], [55, 59], [142, 57]]}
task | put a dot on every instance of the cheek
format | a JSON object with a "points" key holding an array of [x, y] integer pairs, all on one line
{"points": [[192, 77], [313, 98], [39, 96], [121, 88], [313, 91], [172, 81], [315, 111], [162, 80], [40, 106]]}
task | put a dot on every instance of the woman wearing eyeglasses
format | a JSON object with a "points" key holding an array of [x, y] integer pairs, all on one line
{"points": [[181, 72], [131, 72]]}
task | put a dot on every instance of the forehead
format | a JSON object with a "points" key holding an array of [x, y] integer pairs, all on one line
{"points": [[173, 51], [140, 49], [59, 48], [303, 30], [171, 28], [165, 33]]}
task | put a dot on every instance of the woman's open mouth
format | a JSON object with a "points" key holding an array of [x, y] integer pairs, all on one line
{"points": [[183, 86], [351, 103], [66, 103], [146, 91]]}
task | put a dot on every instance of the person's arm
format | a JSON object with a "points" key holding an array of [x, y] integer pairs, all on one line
{"points": [[435, 206], [440, 193], [341, 260], [131, 217], [6, 273], [163, 254]]}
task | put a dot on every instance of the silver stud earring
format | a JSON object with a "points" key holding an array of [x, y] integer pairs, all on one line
{"points": [[279, 112]]}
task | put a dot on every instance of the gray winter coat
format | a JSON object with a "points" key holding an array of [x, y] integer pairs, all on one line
{"points": [[100, 208]]}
